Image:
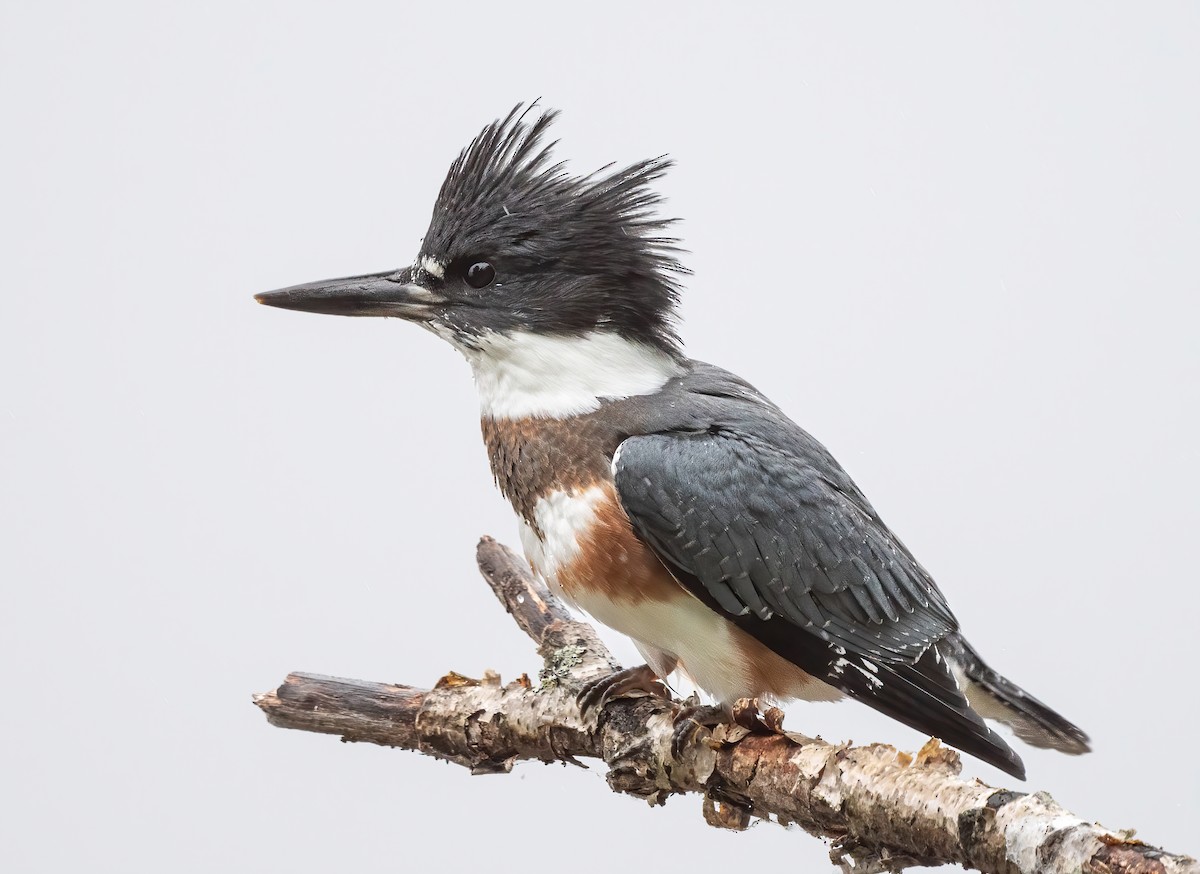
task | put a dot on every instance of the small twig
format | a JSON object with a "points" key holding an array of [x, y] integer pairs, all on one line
{"points": [[541, 615]]}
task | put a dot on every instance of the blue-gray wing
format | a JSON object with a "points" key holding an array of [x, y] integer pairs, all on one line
{"points": [[780, 531]]}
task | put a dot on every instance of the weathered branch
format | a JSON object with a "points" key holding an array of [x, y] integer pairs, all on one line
{"points": [[884, 809]]}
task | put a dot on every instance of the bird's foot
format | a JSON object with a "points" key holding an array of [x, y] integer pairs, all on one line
{"points": [[750, 719], [746, 716], [695, 720], [599, 692], [750, 715]]}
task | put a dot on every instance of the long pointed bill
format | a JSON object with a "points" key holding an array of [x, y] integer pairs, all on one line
{"points": [[376, 294]]}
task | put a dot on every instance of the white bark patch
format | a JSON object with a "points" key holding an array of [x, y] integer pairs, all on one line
{"points": [[1027, 823], [525, 375]]}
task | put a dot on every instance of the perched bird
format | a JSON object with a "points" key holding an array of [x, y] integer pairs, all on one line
{"points": [[666, 497]]}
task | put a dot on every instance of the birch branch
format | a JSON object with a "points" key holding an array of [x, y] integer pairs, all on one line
{"points": [[882, 808]]}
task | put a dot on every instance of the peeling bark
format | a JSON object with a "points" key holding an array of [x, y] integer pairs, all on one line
{"points": [[884, 809]]}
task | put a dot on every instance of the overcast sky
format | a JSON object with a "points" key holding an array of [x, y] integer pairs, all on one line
{"points": [[956, 243]]}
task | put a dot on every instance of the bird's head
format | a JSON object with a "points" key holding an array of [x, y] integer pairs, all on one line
{"points": [[518, 247]]}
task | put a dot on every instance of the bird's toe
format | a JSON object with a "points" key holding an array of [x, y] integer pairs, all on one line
{"points": [[597, 693]]}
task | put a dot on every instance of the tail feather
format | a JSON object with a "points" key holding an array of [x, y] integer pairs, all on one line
{"points": [[926, 696], [993, 696]]}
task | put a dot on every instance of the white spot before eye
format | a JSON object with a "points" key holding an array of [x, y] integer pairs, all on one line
{"points": [[432, 266]]}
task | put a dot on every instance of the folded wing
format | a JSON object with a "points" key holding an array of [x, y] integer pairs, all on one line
{"points": [[774, 535]]}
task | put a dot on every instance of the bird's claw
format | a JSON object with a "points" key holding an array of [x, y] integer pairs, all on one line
{"points": [[597, 693], [691, 719], [694, 720], [748, 714]]}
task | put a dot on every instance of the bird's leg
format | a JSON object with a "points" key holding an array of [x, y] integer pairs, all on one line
{"points": [[691, 719], [599, 692]]}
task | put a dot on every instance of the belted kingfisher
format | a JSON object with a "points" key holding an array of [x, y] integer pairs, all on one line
{"points": [[664, 496]]}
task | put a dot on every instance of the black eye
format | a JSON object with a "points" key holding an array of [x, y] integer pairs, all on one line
{"points": [[480, 274]]}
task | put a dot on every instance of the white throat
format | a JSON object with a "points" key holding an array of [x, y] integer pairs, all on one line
{"points": [[526, 375]]}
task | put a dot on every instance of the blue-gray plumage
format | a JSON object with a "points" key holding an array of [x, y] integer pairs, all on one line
{"points": [[756, 518], [667, 497], [765, 519]]}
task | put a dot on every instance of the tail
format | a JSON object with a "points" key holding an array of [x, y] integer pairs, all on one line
{"points": [[994, 697]]}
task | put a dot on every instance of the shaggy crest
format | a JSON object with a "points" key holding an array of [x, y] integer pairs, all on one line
{"points": [[505, 200]]}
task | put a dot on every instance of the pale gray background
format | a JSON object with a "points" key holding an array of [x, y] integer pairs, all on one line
{"points": [[957, 243]]}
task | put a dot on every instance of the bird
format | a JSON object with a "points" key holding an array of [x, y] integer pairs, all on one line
{"points": [[668, 498]]}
